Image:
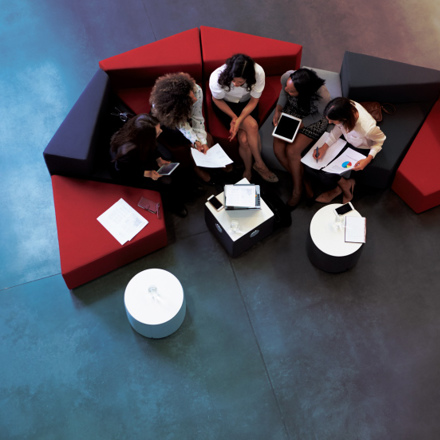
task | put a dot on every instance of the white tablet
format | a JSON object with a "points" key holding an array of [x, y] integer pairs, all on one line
{"points": [[166, 170], [287, 127]]}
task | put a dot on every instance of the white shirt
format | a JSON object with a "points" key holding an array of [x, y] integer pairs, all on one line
{"points": [[194, 129], [237, 94], [365, 134]]}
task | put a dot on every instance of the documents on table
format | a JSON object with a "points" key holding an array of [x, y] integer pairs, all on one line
{"points": [[122, 221], [331, 162], [215, 157], [242, 196], [355, 229]]}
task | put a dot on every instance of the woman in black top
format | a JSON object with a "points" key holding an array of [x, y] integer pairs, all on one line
{"points": [[135, 159]]}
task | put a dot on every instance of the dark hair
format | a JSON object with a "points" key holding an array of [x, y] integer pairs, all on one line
{"points": [[238, 66], [170, 99], [307, 83], [138, 132], [343, 110]]}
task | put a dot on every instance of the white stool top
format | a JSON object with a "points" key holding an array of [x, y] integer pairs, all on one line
{"points": [[327, 236], [153, 296]]}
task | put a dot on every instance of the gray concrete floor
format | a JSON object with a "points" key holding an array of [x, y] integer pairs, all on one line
{"points": [[271, 348]]}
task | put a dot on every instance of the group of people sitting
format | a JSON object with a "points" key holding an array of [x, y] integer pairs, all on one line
{"points": [[176, 118]]}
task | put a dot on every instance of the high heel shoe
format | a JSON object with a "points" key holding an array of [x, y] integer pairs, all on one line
{"points": [[346, 199], [266, 174]]}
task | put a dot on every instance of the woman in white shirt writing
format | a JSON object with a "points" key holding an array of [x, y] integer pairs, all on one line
{"points": [[360, 130], [236, 88]]}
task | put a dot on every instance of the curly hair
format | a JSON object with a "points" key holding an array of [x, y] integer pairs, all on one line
{"points": [[138, 132], [342, 110], [170, 100], [238, 66]]}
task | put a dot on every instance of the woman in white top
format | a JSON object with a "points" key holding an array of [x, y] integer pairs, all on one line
{"points": [[360, 130], [236, 88]]}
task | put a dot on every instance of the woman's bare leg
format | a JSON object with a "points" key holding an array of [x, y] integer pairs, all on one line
{"points": [[245, 154], [296, 169], [279, 149]]}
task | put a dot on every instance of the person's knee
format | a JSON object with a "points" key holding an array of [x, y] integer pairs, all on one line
{"points": [[250, 124], [242, 139], [292, 152]]}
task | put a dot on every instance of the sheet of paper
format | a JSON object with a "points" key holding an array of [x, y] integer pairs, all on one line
{"points": [[344, 162], [214, 158], [240, 195], [355, 229], [331, 153], [122, 221]]}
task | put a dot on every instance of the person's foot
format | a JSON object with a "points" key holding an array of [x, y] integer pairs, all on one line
{"points": [[228, 168], [328, 196], [293, 202], [202, 174], [265, 173], [347, 189], [180, 211], [247, 175]]}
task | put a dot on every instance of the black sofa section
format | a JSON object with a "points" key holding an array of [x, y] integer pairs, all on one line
{"points": [[80, 146], [412, 89]]}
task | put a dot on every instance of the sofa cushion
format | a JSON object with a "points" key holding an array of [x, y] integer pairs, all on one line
{"points": [[368, 78], [133, 73], [417, 180], [73, 149], [87, 249]]}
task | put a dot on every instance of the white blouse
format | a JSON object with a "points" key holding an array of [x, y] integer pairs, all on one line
{"points": [[237, 94], [365, 134]]}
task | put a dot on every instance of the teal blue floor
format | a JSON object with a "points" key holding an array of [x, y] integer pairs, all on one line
{"points": [[271, 347]]}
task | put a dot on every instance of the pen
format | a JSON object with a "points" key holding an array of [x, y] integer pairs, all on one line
{"points": [[316, 154]]}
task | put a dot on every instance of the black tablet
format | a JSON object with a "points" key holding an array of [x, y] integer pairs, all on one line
{"points": [[287, 127]]}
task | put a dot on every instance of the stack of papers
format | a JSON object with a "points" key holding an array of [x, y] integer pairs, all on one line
{"points": [[122, 221], [328, 163], [214, 158]]}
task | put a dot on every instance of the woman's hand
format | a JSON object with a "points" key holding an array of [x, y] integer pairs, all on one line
{"points": [[234, 127], [152, 174], [161, 162], [203, 148], [361, 164], [276, 117], [320, 153]]}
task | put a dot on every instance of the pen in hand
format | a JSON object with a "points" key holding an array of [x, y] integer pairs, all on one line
{"points": [[316, 154]]}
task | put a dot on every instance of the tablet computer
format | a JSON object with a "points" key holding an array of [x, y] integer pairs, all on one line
{"points": [[166, 170], [287, 127]]}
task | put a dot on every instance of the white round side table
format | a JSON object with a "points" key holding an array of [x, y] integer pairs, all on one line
{"points": [[326, 246], [155, 303]]}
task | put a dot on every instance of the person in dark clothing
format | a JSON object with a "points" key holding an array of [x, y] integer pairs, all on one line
{"points": [[135, 157]]}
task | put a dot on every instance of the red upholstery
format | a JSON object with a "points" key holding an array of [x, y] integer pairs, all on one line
{"points": [[133, 73], [276, 57], [87, 249], [417, 181]]}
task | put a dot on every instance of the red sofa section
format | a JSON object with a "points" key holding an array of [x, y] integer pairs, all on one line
{"points": [[87, 249], [133, 73], [417, 180]]}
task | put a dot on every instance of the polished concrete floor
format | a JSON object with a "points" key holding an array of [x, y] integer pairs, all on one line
{"points": [[271, 348]]}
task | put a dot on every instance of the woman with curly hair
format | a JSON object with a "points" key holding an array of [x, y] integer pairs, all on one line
{"points": [[176, 100], [304, 95], [236, 87], [135, 159]]}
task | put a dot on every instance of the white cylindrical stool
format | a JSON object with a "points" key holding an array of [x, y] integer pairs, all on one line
{"points": [[326, 246], [155, 303]]}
